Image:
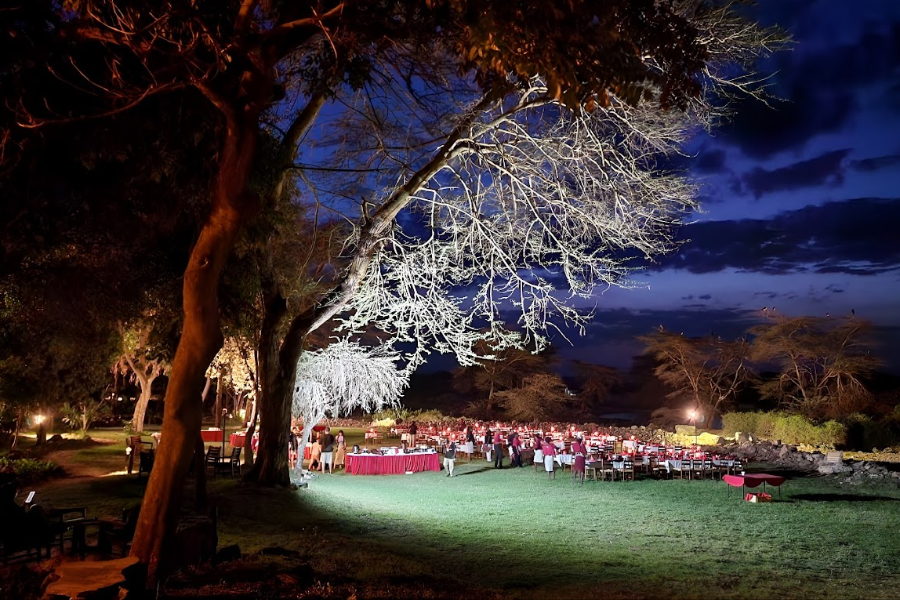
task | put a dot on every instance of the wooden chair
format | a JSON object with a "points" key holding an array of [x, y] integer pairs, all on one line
{"points": [[145, 462], [213, 455], [118, 532], [626, 470], [232, 461]]}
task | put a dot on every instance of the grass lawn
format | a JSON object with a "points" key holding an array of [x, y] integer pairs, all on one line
{"points": [[517, 533]]}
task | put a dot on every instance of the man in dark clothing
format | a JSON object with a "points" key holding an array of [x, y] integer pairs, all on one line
{"points": [[327, 451]]}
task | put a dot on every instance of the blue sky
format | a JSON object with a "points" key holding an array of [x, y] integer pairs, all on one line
{"points": [[801, 201]]}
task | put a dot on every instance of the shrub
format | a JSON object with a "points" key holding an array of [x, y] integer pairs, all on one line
{"points": [[863, 433], [789, 428], [28, 470]]}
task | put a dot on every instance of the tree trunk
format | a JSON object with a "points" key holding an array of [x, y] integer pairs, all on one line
{"points": [[248, 437], [217, 411], [140, 409], [200, 495], [201, 338], [271, 466], [278, 370]]}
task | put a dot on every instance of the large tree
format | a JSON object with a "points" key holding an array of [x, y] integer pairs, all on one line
{"points": [[708, 372], [508, 196], [820, 361]]}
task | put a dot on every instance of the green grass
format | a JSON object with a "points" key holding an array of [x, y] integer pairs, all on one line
{"points": [[522, 535]]}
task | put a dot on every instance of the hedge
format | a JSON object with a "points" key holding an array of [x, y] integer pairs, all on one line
{"points": [[789, 428]]}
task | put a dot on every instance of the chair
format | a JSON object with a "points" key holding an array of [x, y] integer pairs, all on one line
{"points": [[213, 455], [118, 532], [145, 464], [232, 461], [683, 466], [737, 466], [62, 523], [627, 469]]}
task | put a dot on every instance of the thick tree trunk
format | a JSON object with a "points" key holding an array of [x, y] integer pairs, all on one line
{"points": [[200, 474], [140, 409], [271, 466], [278, 370], [201, 338]]}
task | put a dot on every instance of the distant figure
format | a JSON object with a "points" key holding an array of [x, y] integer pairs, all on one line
{"points": [[549, 451], [470, 441], [515, 449], [498, 450], [538, 445], [488, 440], [327, 443], [315, 453], [450, 457], [413, 430], [579, 454], [340, 452]]}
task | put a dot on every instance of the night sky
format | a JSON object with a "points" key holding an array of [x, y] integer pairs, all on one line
{"points": [[801, 201]]}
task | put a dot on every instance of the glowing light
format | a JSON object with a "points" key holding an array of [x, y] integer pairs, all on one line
{"points": [[38, 419]]}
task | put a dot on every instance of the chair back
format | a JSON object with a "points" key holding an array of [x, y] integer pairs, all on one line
{"points": [[236, 453], [213, 452]]}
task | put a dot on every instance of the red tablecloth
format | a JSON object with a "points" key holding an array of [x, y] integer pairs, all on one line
{"points": [[212, 435], [374, 464], [237, 441], [753, 480]]}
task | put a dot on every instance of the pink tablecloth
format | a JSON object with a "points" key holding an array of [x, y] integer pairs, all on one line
{"points": [[374, 464], [753, 480]]}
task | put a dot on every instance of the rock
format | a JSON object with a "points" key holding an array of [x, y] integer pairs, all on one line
{"points": [[784, 451], [89, 579], [227, 554], [832, 469], [55, 439]]}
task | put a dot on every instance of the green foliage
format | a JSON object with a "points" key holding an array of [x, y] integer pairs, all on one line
{"points": [[80, 415], [867, 434], [789, 428], [389, 416], [28, 470]]}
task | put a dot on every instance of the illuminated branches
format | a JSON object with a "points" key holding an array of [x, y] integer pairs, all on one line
{"points": [[343, 377]]}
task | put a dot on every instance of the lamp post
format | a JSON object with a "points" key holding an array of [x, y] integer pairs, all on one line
{"points": [[693, 416], [224, 427]]}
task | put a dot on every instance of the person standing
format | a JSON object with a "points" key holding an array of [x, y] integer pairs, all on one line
{"points": [[515, 445], [498, 450], [413, 430], [340, 454], [488, 440], [579, 454], [549, 451], [327, 451], [449, 457], [470, 441]]}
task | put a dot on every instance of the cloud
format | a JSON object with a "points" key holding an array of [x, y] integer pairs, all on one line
{"points": [[857, 237], [875, 163], [822, 84], [825, 169]]}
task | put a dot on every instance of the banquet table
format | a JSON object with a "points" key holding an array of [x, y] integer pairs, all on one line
{"points": [[392, 464], [752, 480]]}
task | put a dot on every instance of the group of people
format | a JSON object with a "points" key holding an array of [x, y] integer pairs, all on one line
{"points": [[327, 452], [545, 452]]}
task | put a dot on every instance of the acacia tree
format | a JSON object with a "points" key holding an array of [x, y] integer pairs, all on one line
{"points": [[707, 371], [496, 371], [342, 378], [597, 383], [534, 74], [820, 363], [540, 397]]}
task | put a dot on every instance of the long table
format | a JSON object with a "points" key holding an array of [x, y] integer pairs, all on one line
{"points": [[392, 464]]}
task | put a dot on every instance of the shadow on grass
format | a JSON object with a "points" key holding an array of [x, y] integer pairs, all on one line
{"points": [[459, 473], [841, 498]]}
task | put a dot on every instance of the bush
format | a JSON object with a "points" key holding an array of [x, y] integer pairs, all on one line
{"points": [[865, 434], [789, 428], [28, 470]]}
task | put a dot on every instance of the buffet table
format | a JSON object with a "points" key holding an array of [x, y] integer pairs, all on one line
{"points": [[392, 464], [212, 435]]}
